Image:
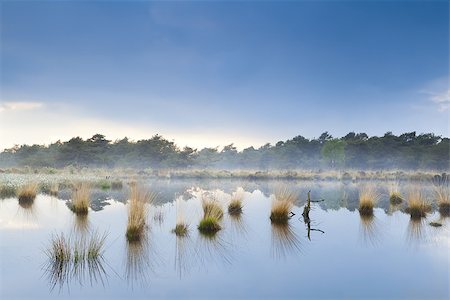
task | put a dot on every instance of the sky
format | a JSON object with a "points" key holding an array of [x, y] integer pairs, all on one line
{"points": [[209, 73]]}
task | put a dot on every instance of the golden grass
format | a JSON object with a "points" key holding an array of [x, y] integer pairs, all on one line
{"points": [[27, 193], [442, 195], [368, 197], [140, 198], [211, 208], [417, 206], [395, 197], [235, 206], [212, 214], [81, 198], [282, 205]]}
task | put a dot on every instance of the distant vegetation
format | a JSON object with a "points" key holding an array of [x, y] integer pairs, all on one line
{"points": [[407, 151]]}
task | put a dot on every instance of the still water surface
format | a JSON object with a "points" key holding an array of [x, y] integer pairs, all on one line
{"points": [[340, 256]]}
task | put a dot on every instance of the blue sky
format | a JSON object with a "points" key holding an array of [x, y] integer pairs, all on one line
{"points": [[212, 73]]}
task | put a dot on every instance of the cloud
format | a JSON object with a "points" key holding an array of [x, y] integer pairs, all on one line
{"points": [[442, 100], [8, 106]]}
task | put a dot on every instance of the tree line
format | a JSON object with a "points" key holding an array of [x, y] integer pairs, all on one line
{"points": [[408, 151]]}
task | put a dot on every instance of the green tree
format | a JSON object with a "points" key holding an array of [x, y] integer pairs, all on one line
{"points": [[333, 151]]}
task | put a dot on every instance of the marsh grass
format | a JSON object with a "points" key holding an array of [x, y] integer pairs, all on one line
{"points": [[211, 207], [417, 206], [140, 199], [27, 193], [235, 206], [181, 229], [81, 198], [212, 215], [282, 205], [395, 197], [7, 190], [368, 197], [442, 195]]}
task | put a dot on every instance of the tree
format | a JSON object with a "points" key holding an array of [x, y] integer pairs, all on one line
{"points": [[333, 151]]}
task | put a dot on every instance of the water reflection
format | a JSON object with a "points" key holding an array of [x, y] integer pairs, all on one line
{"points": [[81, 224], [184, 254], [138, 263], [369, 230], [238, 226], [213, 249], [284, 241], [416, 232], [77, 260]]}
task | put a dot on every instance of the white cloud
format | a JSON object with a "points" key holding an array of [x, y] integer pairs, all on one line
{"points": [[8, 106], [442, 100]]}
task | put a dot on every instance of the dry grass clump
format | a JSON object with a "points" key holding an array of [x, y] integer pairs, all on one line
{"points": [[212, 214], [235, 206], [367, 199], [282, 205], [81, 198], [211, 208], [442, 195], [395, 197], [417, 206], [138, 212], [27, 193]]}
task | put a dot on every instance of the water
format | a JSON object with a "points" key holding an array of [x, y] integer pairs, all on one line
{"points": [[342, 256]]}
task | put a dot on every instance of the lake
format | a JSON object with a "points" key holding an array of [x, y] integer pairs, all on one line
{"points": [[338, 255]]}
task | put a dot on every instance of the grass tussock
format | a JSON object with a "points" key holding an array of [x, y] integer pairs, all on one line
{"points": [[81, 198], [211, 208], [282, 206], [212, 214], [442, 195], [235, 206], [209, 225], [368, 197], [417, 206], [395, 197], [140, 198], [181, 229], [27, 193]]}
